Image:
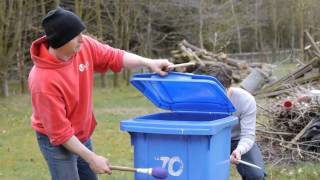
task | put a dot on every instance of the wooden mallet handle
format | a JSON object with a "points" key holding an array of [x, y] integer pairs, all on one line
{"points": [[122, 168], [159, 173], [182, 65]]}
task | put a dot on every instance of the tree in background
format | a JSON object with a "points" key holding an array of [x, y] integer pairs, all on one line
{"points": [[153, 28], [11, 17]]}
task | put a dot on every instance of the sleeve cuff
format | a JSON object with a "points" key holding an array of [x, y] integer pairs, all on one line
{"points": [[63, 139]]}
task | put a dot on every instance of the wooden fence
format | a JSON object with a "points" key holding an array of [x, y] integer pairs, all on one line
{"points": [[268, 57]]}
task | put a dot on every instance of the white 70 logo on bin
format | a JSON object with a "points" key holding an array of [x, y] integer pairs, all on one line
{"points": [[173, 164]]}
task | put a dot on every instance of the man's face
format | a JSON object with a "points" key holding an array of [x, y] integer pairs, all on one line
{"points": [[74, 45]]}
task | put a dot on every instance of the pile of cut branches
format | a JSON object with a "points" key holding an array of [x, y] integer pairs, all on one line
{"points": [[292, 131]]}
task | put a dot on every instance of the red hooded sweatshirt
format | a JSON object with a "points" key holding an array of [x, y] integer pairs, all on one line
{"points": [[61, 91]]}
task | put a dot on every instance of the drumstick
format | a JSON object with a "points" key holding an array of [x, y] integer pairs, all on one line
{"points": [[249, 164], [157, 172]]}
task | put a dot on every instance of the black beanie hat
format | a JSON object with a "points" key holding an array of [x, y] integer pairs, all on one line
{"points": [[61, 26]]}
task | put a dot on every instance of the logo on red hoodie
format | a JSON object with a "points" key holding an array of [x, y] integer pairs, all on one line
{"points": [[83, 67]]}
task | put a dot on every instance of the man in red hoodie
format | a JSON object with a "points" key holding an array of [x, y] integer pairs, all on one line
{"points": [[61, 83]]}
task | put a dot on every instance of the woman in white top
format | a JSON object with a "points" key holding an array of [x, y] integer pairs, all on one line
{"points": [[243, 144]]}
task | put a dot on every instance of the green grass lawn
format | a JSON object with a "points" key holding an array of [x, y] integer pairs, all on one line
{"points": [[20, 157]]}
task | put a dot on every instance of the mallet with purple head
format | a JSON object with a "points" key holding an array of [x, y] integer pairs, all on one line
{"points": [[157, 172]]}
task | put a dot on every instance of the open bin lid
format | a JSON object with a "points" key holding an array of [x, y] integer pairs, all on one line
{"points": [[184, 92], [178, 127]]}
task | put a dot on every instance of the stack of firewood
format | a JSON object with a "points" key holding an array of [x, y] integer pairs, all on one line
{"points": [[187, 52]]}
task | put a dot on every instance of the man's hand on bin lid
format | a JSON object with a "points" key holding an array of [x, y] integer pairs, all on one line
{"points": [[160, 66]]}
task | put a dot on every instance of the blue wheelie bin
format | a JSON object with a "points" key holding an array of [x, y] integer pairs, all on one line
{"points": [[192, 139]]}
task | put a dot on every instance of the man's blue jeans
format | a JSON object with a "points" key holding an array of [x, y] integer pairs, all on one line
{"points": [[63, 164], [253, 156]]}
